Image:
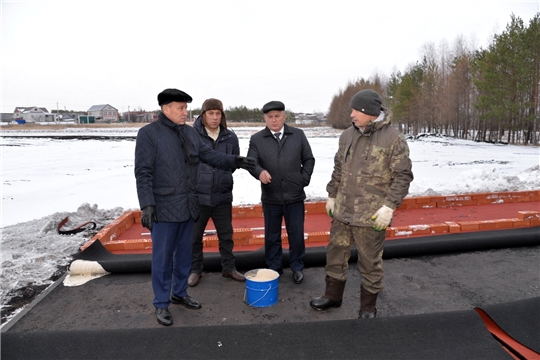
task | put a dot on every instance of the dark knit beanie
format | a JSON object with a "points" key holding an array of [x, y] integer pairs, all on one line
{"points": [[215, 104], [170, 95], [367, 101]]}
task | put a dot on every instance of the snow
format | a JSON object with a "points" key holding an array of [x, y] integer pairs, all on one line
{"points": [[88, 176]]}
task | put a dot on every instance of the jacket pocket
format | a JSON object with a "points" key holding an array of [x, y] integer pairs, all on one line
{"points": [[306, 178], [294, 183]]}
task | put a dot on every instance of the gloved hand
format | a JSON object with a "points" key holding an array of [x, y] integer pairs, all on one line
{"points": [[148, 216], [246, 163], [382, 218], [330, 203]]}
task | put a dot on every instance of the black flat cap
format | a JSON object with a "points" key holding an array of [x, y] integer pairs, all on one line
{"points": [[170, 95], [273, 105]]}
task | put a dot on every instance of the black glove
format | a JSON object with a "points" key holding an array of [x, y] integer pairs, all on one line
{"points": [[148, 216], [245, 163]]}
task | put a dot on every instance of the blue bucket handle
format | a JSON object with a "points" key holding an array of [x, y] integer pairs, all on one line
{"points": [[262, 297]]}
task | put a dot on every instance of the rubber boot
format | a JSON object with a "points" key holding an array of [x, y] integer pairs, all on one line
{"points": [[333, 295], [367, 304]]}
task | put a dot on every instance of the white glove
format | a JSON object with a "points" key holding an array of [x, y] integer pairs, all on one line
{"points": [[330, 206], [382, 218]]}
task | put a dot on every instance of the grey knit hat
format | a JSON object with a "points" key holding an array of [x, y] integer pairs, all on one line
{"points": [[367, 101]]}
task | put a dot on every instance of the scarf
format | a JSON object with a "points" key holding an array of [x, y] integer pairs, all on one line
{"points": [[187, 145]]}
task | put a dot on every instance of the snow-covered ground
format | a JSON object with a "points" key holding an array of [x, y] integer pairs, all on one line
{"points": [[90, 178]]}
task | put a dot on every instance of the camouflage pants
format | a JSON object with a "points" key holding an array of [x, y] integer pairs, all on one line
{"points": [[369, 244]]}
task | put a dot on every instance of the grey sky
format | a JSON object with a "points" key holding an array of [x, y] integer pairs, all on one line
{"points": [[78, 53]]}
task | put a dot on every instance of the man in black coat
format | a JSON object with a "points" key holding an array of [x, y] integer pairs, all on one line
{"points": [[285, 165], [215, 187], [167, 154]]}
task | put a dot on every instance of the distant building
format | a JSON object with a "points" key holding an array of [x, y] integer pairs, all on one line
{"points": [[32, 114], [139, 116], [104, 113], [6, 117], [71, 117], [311, 119]]}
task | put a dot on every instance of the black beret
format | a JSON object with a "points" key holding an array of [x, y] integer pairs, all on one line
{"points": [[273, 105], [170, 95]]}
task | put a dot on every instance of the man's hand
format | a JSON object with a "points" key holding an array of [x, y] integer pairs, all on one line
{"points": [[148, 216], [265, 177], [246, 163], [330, 203], [382, 218]]}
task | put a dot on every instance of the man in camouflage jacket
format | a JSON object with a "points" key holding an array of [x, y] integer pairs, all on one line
{"points": [[371, 176]]}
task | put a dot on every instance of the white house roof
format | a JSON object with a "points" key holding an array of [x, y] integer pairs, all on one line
{"points": [[100, 107], [24, 109]]}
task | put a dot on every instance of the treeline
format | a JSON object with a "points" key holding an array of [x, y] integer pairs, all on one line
{"points": [[489, 95], [244, 114]]}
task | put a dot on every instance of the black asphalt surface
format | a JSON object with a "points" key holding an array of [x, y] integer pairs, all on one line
{"points": [[425, 312]]}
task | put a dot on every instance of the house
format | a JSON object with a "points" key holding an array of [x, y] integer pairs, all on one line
{"points": [[70, 118], [139, 116], [32, 114], [311, 119], [104, 113], [7, 117]]}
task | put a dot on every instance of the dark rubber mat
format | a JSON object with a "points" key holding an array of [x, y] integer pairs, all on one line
{"points": [[421, 246], [452, 335]]}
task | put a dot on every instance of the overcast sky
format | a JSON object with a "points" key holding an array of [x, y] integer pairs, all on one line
{"points": [[75, 54]]}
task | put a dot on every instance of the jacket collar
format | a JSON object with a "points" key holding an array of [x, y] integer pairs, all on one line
{"points": [[379, 122], [200, 127], [165, 121]]}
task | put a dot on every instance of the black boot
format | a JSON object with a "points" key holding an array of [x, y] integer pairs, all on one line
{"points": [[333, 295], [367, 304]]}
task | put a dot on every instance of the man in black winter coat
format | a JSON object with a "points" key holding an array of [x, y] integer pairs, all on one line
{"points": [[167, 154], [285, 165], [215, 186]]}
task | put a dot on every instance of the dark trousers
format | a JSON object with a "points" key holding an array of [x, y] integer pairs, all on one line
{"points": [[222, 217], [293, 214], [171, 259]]}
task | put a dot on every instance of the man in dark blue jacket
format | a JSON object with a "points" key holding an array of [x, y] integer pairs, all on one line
{"points": [[285, 165], [215, 186], [167, 154]]}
